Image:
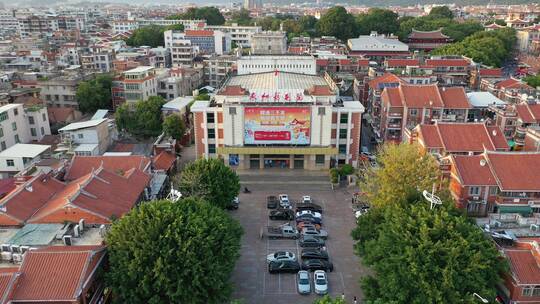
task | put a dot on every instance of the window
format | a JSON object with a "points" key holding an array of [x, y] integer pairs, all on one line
{"points": [[210, 118], [14, 126], [3, 144], [16, 111], [3, 116], [211, 133], [322, 110], [232, 111], [319, 159], [44, 116], [211, 149], [33, 131], [493, 190], [1, 132], [342, 149], [413, 112], [17, 139], [527, 291], [344, 118], [10, 162], [342, 133], [474, 191], [42, 131]]}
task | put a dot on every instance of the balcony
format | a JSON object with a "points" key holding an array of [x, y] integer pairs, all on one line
{"points": [[521, 130], [394, 115], [395, 126]]}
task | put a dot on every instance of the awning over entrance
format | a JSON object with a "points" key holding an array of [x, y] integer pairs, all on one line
{"points": [[278, 150], [515, 209]]}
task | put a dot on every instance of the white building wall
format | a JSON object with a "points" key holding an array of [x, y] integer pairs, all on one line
{"points": [[321, 131], [7, 138], [291, 64], [233, 126]]}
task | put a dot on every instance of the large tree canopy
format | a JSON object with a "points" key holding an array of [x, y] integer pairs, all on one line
{"points": [[380, 20], [151, 35], [94, 94], [164, 252], [337, 22], [441, 12], [211, 14], [173, 126], [142, 120], [210, 180]]}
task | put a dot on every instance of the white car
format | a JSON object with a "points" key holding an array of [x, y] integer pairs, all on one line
{"points": [[284, 201], [321, 282], [306, 199], [280, 256], [309, 212], [304, 286]]}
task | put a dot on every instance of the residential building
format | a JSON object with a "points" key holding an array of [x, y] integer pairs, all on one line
{"points": [[252, 4], [522, 281], [479, 74], [86, 138], [20, 157], [481, 103], [427, 40], [60, 91], [216, 69], [450, 70], [532, 139], [278, 119], [139, 83], [123, 26], [269, 43], [405, 106], [525, 38], [514, 120], [353, 65], [82, 165], [40, 268], [179, 82], [36, 25], [190, 42], [496, 182], [240, 34], [377, 47], [509, 90]]}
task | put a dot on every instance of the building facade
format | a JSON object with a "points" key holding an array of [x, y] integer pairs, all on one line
{"points": [[269, 43]]}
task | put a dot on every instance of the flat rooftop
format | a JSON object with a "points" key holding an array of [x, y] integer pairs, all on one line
{"points": [[24, 150], [276, 81], [139, 69]]}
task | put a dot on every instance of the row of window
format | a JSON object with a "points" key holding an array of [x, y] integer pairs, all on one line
{"points": [[531, 291], [475, 191]]}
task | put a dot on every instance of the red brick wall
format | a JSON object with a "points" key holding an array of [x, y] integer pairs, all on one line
{"points": [[220, 117], [198, 119], [355, 136]]}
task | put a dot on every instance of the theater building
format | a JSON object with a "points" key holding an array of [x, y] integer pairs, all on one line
{"points": [[277, 113]]}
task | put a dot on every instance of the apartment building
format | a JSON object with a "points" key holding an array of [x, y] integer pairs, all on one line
{"points": [[139, 83], [86, 138], [181, 49], [179, 82], [22, 124], [515, 119], [509, 90], [98, 58], [216, 68], [406, 106], [240, 34], [36, 25], [20, 157], [60, 91], [269, 43]]}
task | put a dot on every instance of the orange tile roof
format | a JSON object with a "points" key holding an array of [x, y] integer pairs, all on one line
{"points": [[436, 34], [471, 172], [511, 84], [59, 114], [386, 78], [164, 160], [463, 137], [205, 33], [447, 62], [233, 90], [319, 90], [515, 171], [455, 98], [82, 165], [490, 72], [56, 273], [392, 97], [524, 266], [8, 278], [430, 136], [421, 96], [402, 62]]}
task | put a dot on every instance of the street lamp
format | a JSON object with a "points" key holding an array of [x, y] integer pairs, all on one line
{"points": [[481, 298]]}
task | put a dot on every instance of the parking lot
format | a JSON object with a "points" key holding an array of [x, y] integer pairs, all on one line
{"points": [[252, 281]]}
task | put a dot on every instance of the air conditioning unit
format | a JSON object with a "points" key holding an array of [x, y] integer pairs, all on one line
{"points": [[81, 225], [17, 258], [516, 200], [530, 203], [67, 240], [24, 249], [6, 247], [6, 255], [15, 249], [76, 231], [476, 198]]}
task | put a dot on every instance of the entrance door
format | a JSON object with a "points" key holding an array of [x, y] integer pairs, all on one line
{"points": [[254, 164], [299, 164]]}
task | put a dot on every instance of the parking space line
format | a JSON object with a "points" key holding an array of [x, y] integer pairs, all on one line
{"points": [[342, 281]]}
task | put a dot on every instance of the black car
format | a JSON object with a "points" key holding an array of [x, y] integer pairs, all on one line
{"points": [[309, 219], [313, 253], [281, 214], [272, 202], [308, 206], [283, 266], [317, 264], [311, 242]]}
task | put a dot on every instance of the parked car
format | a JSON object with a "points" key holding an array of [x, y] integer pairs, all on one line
{"points": [[280, 256], [309, 218], [303, 283], [284, 201], [312, 231], [311, 242], [281, 214], [234, 204], [306, 199], [283, 266], [308, 206], [314, 253], [317, 264], [307, 223], [272, 202], [309, 212], [320, 282], [285, 231]]}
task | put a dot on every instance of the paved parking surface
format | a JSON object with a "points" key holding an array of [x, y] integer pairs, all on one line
{"points": [[252, 281]]}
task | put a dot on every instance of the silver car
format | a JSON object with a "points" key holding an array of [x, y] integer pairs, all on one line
{"points": [[304, 285], [280, 256], [321, 282]]}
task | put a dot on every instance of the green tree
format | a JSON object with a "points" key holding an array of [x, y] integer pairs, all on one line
{"points": [[151, 35], [328, 300], [441, 12], [174, 126], [380, 20], [144, 119], [211, 180], [94, 94], [500, 22], [175, 27], [403, 169], [164, 252], [423, 255], [533, 81], [308, 24], [211, 14], [241, 17], [337, 22]]}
